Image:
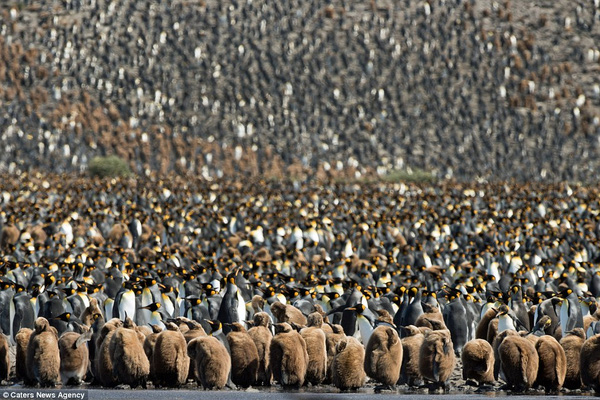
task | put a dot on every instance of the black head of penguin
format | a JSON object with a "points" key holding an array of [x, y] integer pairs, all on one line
{"points": [[152, 307], [215, 325]]}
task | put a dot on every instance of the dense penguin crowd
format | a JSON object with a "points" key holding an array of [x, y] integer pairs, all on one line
{"points": [[252, 283], [459, 88]]}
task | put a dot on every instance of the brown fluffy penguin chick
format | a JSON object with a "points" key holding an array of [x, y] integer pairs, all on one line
{"points": [[43, 357], [316, 348], [411, 350], [492, 331], [347, 368], [194, 330], [4, 358], [478, 361], [495, 344], [383, 355], [262, 336], [288, 356], [552, 363], [149, 344], [326, 327], [87, 317], [169, 358], [589, 363], [481, 332], [572, 344], [244, 356], [287, 313], [104, 364], [519, 362], [22, 339], [74, 357], [436, 359], [212, 362], [130, 364], [331, 341], [430, 314]]}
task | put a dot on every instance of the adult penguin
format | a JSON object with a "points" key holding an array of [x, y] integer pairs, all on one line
{"points": [[570, 312], [233, 306], [455, 317], [413, 309], [518, 306], [157, 314], [365, 319], [125, 303], [23, 316]]}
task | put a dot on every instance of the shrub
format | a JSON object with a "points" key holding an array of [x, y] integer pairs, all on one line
{"points": [[409, 175], [111, 166]]}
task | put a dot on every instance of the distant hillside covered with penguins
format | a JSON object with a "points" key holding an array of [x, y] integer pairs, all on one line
{"points": [[460, 88]]}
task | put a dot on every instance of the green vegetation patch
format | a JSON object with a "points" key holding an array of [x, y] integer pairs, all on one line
{"points": [[413, 175], [108, 167]]}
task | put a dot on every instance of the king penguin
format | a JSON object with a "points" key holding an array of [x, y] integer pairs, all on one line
{"points": [[125, 303], [233, 306], [570, 312]]}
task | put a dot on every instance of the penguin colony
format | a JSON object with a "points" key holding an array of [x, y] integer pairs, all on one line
{"points": [[459, 88], [231, 285]]}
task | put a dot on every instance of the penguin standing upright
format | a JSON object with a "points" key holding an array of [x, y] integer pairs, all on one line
{"points": [[211, 360], [4, 358], [233, 306], [364, 320], [43, 357], [244, 356], [455, 317], [74, 357], [414, 308], [348, 365], [316, 348], [157, 315], [437, 359], [170, 360], [478, 361], [570, 312], [23, 315], [262, 336], [22, 340], [518, 306], [383, 355], [572, 344], [125, 303]]}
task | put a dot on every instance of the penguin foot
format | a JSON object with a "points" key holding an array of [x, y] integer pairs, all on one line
{"points": [[471, 382], [380, 388]]}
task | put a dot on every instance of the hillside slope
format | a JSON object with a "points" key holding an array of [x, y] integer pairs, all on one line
{"points": [[292, 87]]}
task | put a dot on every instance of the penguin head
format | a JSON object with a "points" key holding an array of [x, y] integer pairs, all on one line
{"points": [[66, 316], [152, 307], [282, 327], [503, 310], [215, 325], [359, 308]]}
